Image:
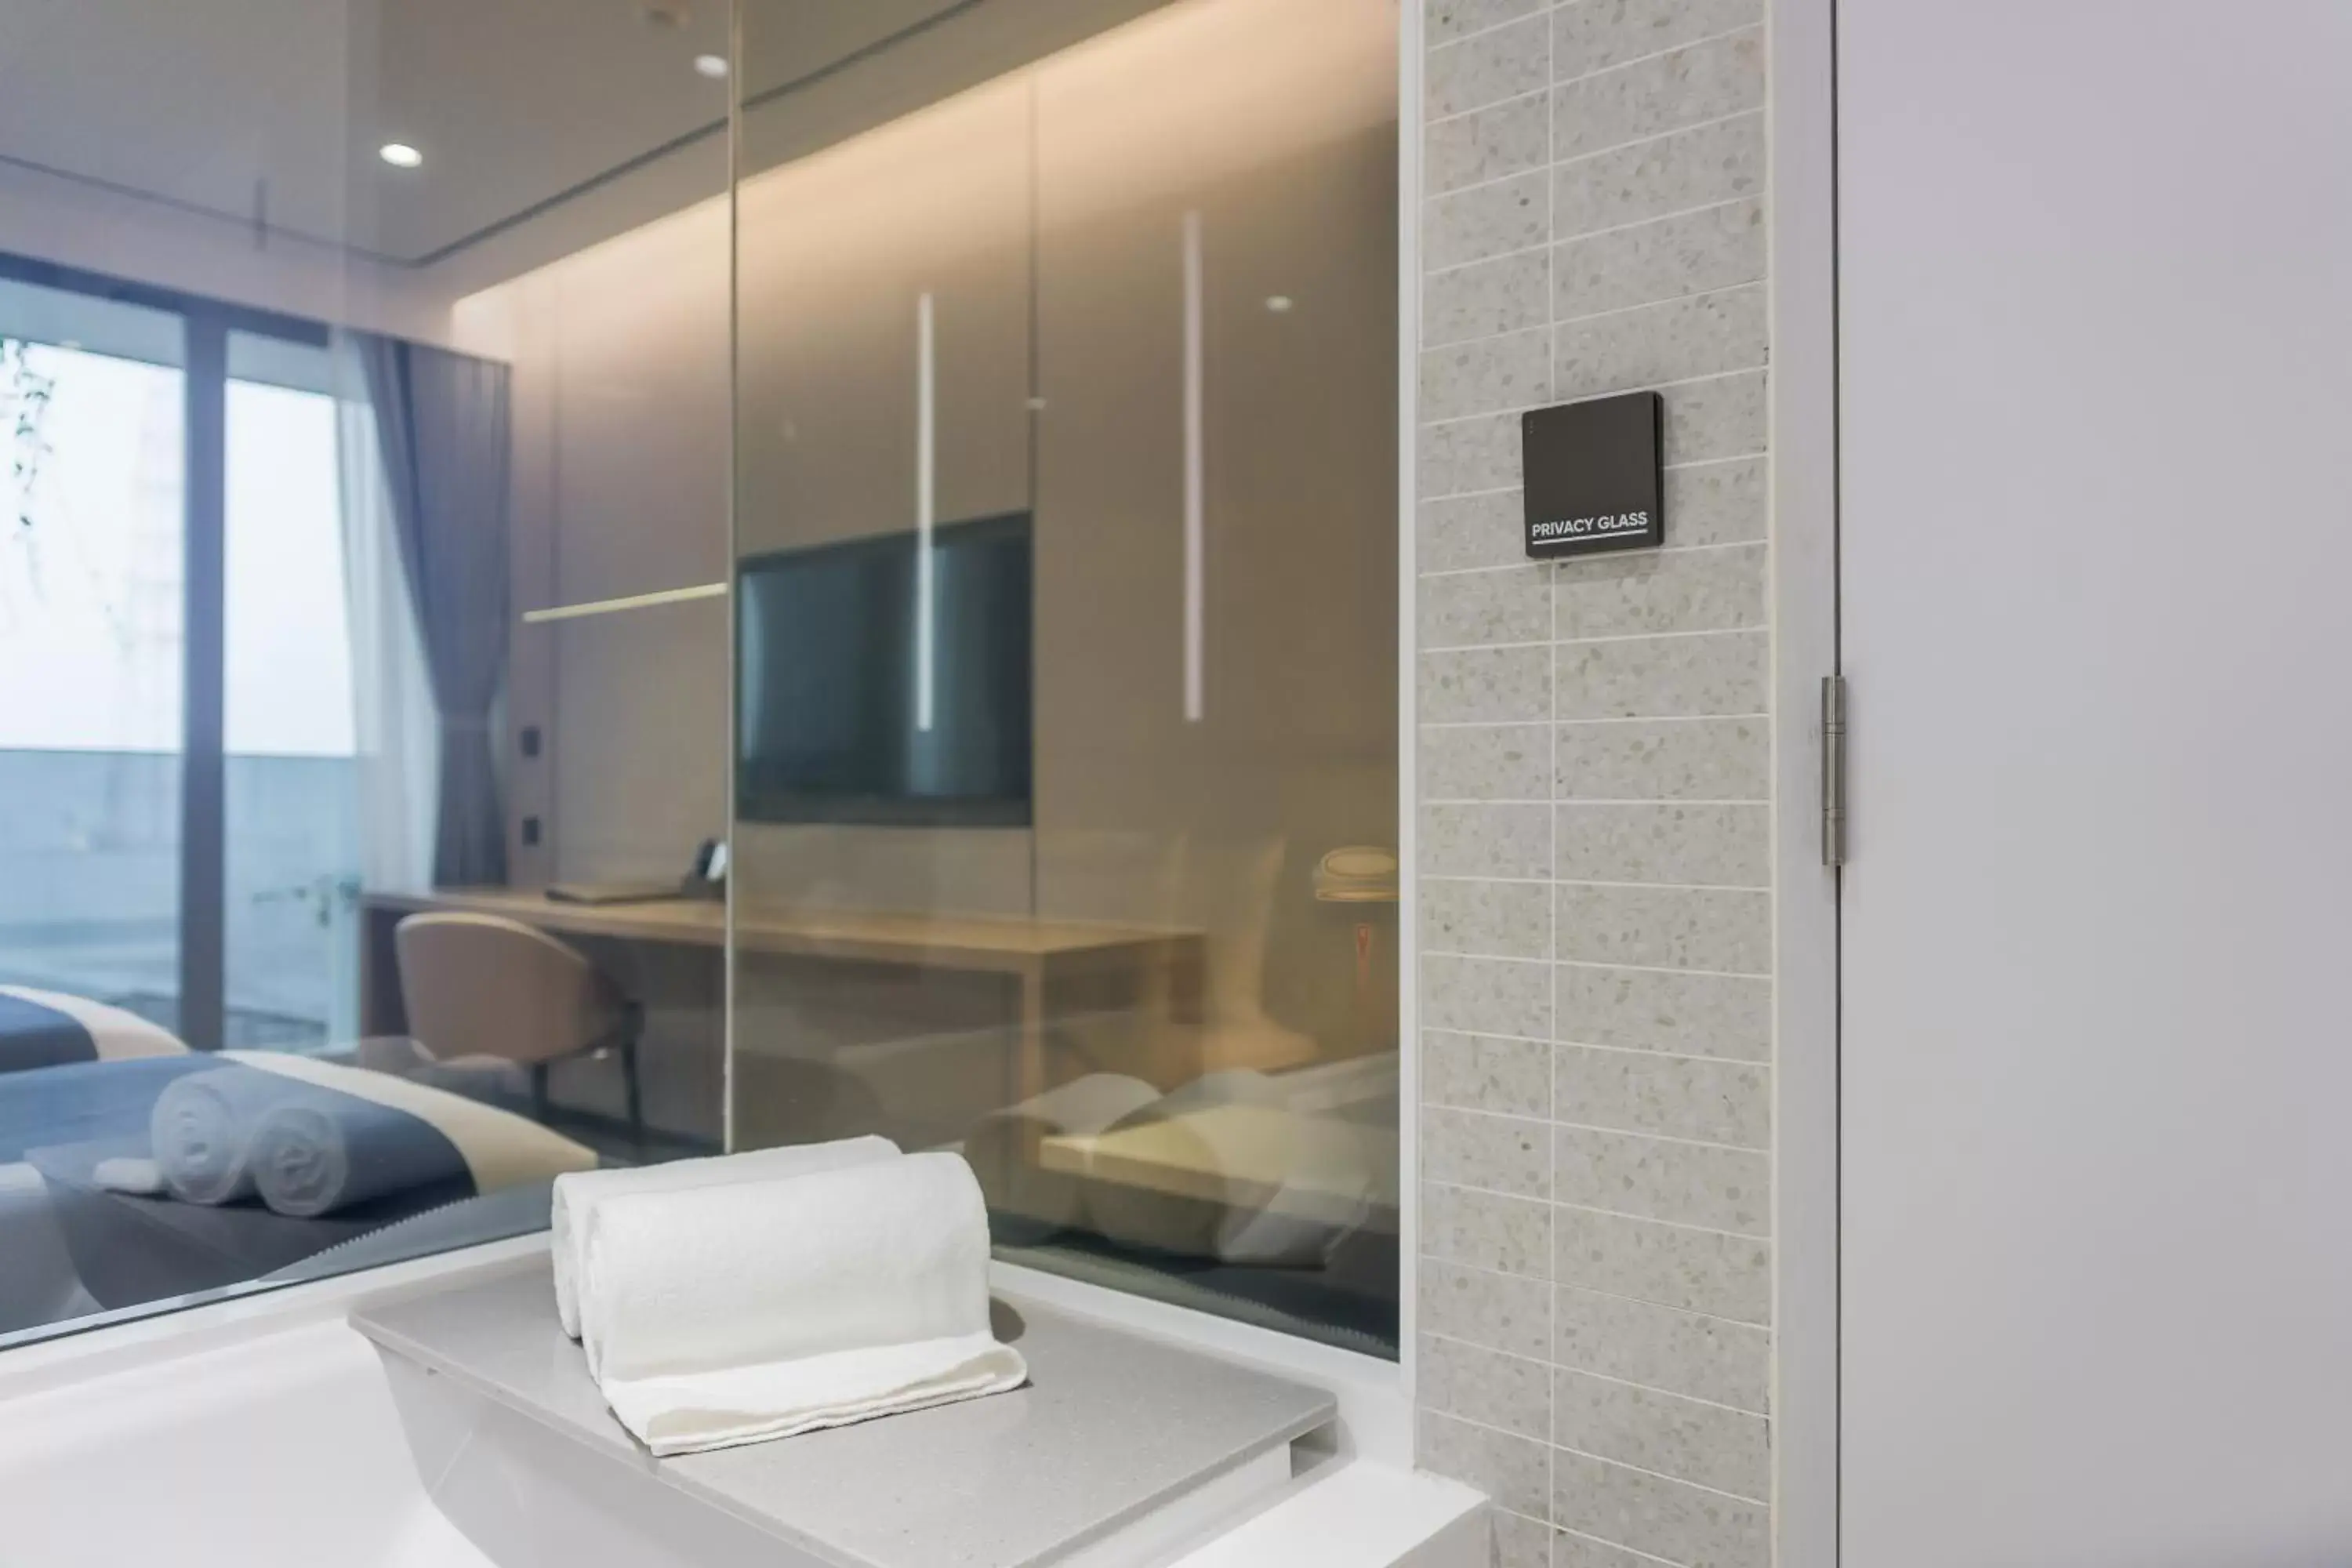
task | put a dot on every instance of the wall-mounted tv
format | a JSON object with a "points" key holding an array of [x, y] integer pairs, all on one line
{"points": [[835, 721]]}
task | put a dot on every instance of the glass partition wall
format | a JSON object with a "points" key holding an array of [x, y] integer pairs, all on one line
{"points": [[1066, 627], [699, 577]]}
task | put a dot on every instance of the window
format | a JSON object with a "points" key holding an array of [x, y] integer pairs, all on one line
{"points": [[201, 657], [92, 651]]}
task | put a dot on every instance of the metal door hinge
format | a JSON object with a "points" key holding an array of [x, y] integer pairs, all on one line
{"points": [[1832, 770]]}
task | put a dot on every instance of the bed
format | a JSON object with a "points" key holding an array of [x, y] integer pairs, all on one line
{"points": [[73, 1244], [49, 1029]]}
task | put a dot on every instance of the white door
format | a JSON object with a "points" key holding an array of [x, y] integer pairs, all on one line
{"points": [[2096, 292]]}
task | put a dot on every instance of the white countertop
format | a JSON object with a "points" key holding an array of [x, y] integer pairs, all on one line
{"points": [[1110, 1427]]}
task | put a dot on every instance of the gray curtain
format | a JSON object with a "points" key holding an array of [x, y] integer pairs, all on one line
{"points": [[443, 422]]}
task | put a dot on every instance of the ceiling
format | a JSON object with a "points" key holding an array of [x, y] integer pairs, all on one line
{"points": [[268, 113]]}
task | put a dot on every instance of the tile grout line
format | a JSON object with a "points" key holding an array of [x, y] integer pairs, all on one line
{"points": [[1573, 800], [1658, 304], [1755, 1063], [1591, 964], [1540, 8], [1538, 12], [1684, 466], [1551, 1364], [1443, 572], [1430, 121], [1550, 1282], [1551, 901], [1571, 724], [1522, 646], [1659, 969], [1570, 882], [1554, 1121], [1600, 1458], [1451, 420], [1618, 1546], [1709, 123], [1552, 168], [1749, 1237], [1579, 237], [1588, 642], [1740, 1410]]}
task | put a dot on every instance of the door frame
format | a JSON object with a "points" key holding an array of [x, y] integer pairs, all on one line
{"points": [[1801, 127], [205, 325]]}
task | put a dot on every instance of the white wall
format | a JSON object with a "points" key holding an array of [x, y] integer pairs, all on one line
{"points": [[621, 411], [2097, 1194]]}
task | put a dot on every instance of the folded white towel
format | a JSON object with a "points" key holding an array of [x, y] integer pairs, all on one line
{"points": [[577, 1194], [725, 1315]]}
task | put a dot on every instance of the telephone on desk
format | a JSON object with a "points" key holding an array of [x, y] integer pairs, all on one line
{"points": [[707, 880]]}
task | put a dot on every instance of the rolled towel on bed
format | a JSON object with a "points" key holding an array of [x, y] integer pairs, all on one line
{"points": [[200, 1131], [327, 1151], [349, 1136], [577, 1194], [497, 1148], [731, 1314], [1029, 1202]]}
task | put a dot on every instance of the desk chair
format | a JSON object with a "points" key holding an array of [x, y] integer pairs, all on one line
{"points": [[482, 988]]}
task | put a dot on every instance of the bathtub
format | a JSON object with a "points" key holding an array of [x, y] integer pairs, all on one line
{"points": [[266, 1433]]}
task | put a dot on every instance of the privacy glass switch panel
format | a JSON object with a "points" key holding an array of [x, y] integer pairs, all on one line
{"points": [[1593, 480]]}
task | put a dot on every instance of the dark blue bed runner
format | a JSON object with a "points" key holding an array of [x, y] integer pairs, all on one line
{"points": [[63, 1120], [33, 1035], [83, 1100]]}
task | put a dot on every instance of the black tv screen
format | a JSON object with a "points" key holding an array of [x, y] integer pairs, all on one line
{"points": [[833, 723]]}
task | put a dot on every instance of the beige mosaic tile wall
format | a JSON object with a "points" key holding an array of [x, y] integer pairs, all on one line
{"points": [[1594, 771]]}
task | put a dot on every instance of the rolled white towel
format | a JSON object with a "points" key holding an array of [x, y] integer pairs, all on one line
{"points": [[1029, 1201], [577, 1194], [731, 1314], [200, 1131]]}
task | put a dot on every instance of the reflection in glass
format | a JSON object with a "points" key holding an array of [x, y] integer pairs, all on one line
{"points": [[291, 788], [91, 647], [1156, 1009], [897, 528], [299, 432]]}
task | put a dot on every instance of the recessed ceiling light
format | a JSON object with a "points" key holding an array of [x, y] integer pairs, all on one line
{"points": [[712, 65], [400, 154], [1278, 303]]}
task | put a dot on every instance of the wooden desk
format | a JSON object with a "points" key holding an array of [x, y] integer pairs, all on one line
{"points": [[1034, 953]]}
